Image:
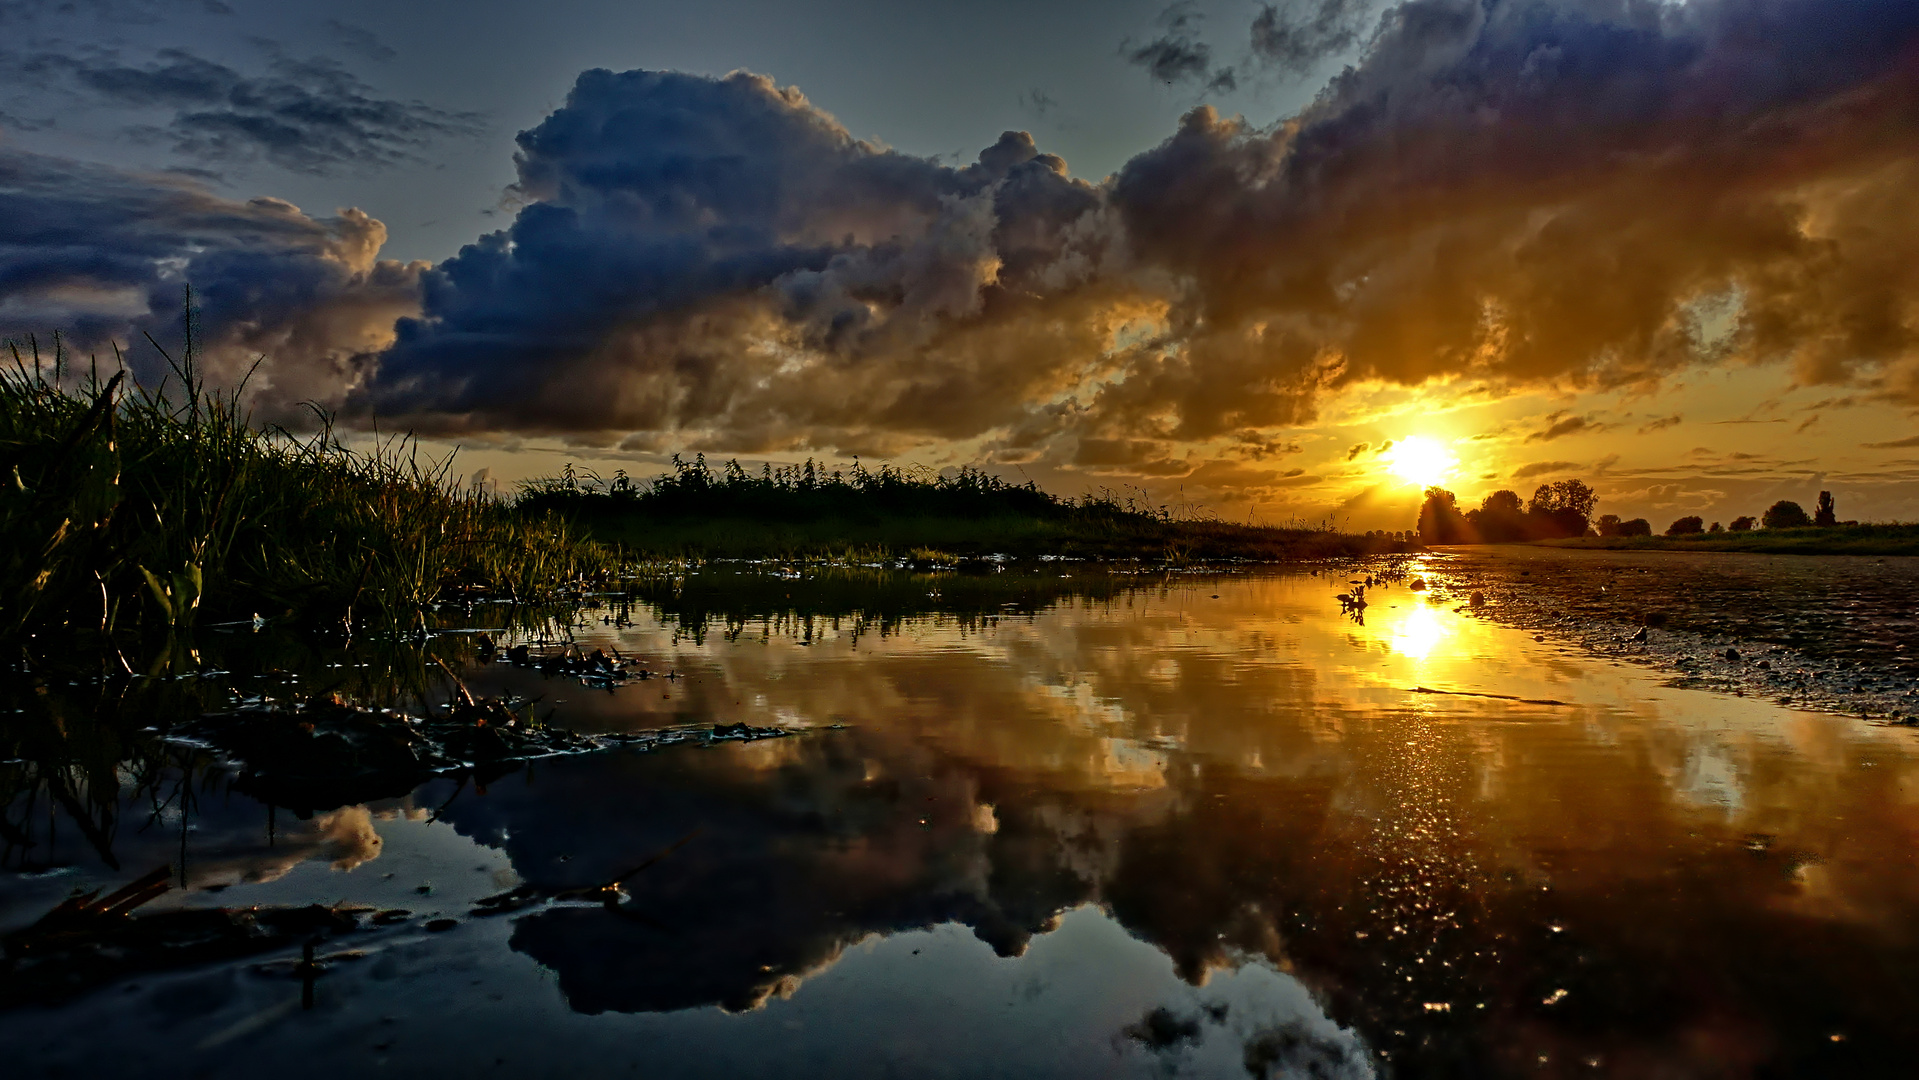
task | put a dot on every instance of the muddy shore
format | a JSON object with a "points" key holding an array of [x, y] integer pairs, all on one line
{"points": [[1833, 634]]}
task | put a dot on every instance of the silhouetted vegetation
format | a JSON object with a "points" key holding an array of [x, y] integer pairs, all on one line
{"points": [[1785, 515], [1743, 523], [1555, 510], [1823, 515], [1686, 526], [137, 511], [920, 515]]}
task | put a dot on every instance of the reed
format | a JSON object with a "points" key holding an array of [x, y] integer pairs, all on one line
{"points": [[922, 517], [132, 511]]}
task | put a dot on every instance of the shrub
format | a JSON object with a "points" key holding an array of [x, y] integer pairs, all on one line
{"points": [[1686, 526], [1743, 523], [1608, 524], [1785, 515], [1635, 527], [1824, 515], [1716, 527]]}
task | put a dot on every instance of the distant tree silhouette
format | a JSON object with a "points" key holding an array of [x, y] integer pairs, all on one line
{"points": [[1440, 521], [1686, 526], [1608, 524], [1716, 527], [1500, 519], [1823, 515], [1785, 515], [1561, 509], [1635, 527], [1743, 523]]}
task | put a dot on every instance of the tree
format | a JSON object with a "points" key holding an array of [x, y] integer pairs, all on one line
{"points": [[1785, 515], [1823, 515], [1500, 519], [1561, 509], [1608, 524], [1743, 523], [1686, 526], [1635, 527], [1440, 521], [1716, 527]]}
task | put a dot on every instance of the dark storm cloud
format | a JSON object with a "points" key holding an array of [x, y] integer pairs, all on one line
{"points": [[1294, 37], [103, 254], [306, 115], [718, 253], [1498, 194]]}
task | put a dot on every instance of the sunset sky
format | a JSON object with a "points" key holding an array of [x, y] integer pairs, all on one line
{"points": [[1283, 261]]}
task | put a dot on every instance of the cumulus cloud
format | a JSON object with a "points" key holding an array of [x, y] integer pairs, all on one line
{"points": [[104, 254], [1497, 194], [306, 115]]}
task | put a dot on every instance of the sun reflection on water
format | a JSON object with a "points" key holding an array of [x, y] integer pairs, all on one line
{"points": [[1418, 632]]}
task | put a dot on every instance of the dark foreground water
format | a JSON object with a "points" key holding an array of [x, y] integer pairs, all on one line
{"points": [[1188, 826]]}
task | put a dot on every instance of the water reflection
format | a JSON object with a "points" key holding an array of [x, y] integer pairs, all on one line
{"points": [[1554, 866]]}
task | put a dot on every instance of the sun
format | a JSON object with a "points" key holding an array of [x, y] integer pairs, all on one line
{"points": [[1419, 460]]}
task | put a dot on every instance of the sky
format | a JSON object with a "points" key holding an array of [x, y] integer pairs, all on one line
{"points": [[1281, 262]]}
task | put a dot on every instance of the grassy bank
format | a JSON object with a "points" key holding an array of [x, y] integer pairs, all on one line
{"points": [[1885, 539], [132, 513], [805, 511]]}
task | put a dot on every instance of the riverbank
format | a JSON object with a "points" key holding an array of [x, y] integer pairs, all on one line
{"points": [[919, 516], [1893, 538], [1832, 634]]}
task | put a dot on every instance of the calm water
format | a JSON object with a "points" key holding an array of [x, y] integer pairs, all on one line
{"points": [[1199, 826]]}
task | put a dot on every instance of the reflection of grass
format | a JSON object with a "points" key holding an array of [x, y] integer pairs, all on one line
{"points": [[136, 511], [808, 510], [1895, 538]]}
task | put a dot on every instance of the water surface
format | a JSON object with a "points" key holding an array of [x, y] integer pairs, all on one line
{"points": [[1190, 825]]}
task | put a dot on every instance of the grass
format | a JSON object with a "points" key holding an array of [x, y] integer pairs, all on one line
{"points": [[134, 512], [926, 518], [1893, 538]]}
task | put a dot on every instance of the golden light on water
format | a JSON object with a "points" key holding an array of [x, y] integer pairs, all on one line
{"points": [[1418, 632], [1419, 460]]}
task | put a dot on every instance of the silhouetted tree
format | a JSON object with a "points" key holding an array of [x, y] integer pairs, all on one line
{"points": [[1440, 521], [1500, 519], [1716, 527], [1635, 527], [1686, 526], [1785, 515], [1561, 509], [1823, 515], [1608, 524], [1743, 523]]}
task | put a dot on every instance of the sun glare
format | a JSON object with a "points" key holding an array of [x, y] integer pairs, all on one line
{"points": [[1419, 460]]}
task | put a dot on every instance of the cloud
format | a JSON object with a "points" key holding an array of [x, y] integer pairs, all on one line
{"points": [[1038, 102], [360, 40], [1178, 55], [104, 254], [1498, 194], [1296, 36], [1660, 424], [1911, 440], [1542, 468], [1357, 449], [1559, 425], [307, 115]]}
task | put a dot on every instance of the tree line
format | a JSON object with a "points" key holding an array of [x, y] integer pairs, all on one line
{"points": [[1565, 509]]}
